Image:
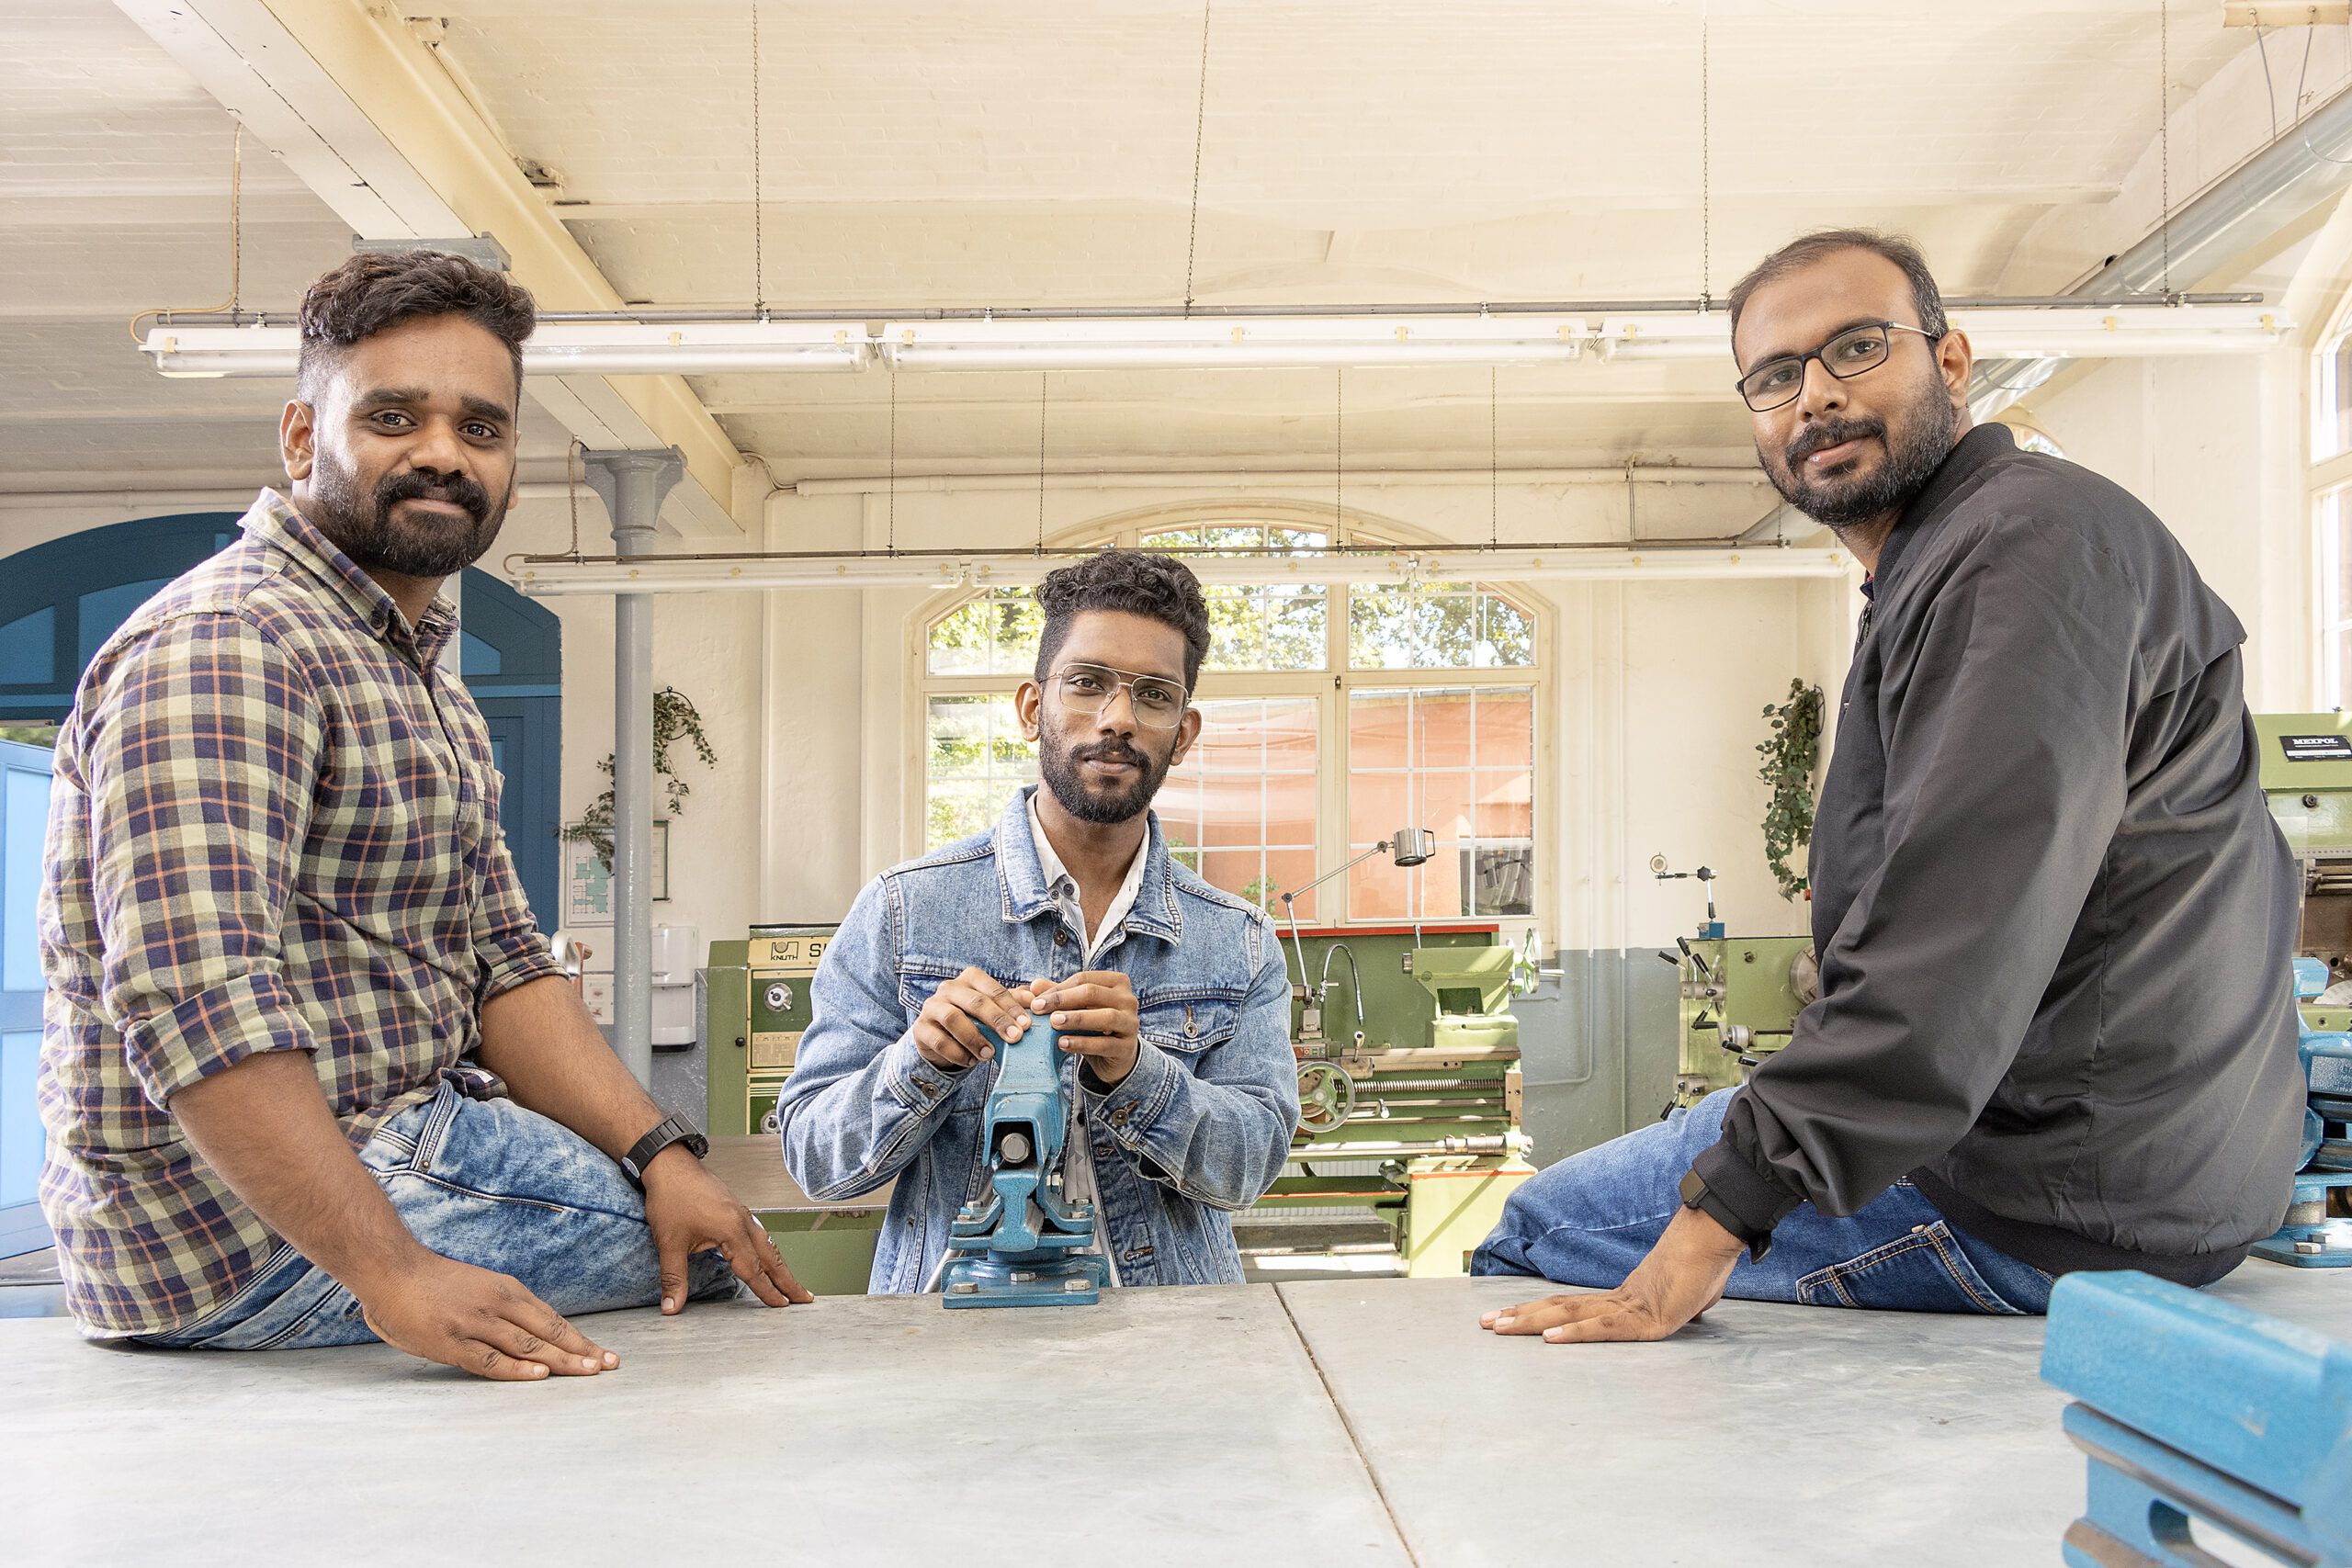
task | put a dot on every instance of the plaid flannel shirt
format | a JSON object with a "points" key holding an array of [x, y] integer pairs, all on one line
{"points": [[275, 827]]}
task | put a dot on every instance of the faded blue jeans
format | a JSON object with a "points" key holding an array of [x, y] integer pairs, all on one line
{"points": [[1587, 1220], [488, 1183]]}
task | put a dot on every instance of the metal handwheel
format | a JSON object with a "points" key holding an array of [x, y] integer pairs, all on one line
{"points": [[1326, 1096]]}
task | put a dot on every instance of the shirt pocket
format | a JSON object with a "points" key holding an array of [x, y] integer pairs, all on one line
{"points": [[1186, 1024]]}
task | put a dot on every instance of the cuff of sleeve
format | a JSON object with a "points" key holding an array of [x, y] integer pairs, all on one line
{"points": [[210, 1033], [918, 1083], [1130, 1106], [520, 967], [1755, 1201]]}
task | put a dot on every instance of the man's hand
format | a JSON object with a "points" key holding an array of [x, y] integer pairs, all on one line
{"points": [[1682, 1277], [947, 1029], [1095, 1010], [470, 1318], [690, 1211]]}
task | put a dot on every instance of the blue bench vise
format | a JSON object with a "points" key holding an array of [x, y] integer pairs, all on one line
{"points": [[2310, 1239], [2195, 1410], [1024, 1242]]}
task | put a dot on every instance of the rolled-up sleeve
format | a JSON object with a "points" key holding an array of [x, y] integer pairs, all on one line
{"points": [[2006, 743], [199, 763]]}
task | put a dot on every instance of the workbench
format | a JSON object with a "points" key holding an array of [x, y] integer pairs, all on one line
{"points": [[1342, 1422]]}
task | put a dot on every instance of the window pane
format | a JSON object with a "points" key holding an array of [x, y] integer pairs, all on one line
{"points": [[994, 635], [1250, 784], [1274, 626], [1442, 625], [1461, 763], [975, 761]]}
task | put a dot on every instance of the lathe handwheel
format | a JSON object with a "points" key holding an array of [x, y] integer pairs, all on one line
{"points": [[1326, 1096]]}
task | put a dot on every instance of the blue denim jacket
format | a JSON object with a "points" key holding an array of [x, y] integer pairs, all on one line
{"points": [[1198, 1130]]}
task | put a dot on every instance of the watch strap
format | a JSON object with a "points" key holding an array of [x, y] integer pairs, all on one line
{"points": [[668, 1131]]}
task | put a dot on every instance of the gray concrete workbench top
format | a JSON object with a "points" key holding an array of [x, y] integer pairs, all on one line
{"points": [[1339, 1422]]}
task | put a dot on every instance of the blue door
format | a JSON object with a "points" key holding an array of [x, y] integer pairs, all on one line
{"points": [[24, 821], [61, 600]]}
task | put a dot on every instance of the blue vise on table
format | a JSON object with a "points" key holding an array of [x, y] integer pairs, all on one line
{"points": [[2200, 1417], [1022, 1243]]}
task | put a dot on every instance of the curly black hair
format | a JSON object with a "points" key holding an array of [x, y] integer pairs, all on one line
{"points": [[377, 290], [1141, 582]]}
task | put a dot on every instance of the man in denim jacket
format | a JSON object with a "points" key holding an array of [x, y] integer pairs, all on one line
{"points": [[1171, 995]]}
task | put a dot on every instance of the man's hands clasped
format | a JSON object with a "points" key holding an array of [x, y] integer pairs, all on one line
{"points": [[1094, 1009]]}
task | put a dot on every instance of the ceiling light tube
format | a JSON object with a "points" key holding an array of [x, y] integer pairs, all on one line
{"points": [[2017, 333], [559, 578], [1215, 343], [557, 348]]}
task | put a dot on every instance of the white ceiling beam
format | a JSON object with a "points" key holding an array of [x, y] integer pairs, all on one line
{"points": [[362, 112]]}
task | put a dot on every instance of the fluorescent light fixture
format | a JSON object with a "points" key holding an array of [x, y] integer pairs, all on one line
{"points": [[1997, 332], [557, 348], [626, 347], [1238, 342], [1399, 568]]}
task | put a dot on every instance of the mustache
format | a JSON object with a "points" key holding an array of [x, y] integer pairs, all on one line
{"points": [[1821, 436], [1108, 751], [414, 484]]}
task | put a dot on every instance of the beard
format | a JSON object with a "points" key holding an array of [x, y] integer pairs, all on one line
{"points": [[417, 545], [1091, 802], [1921, 439]]}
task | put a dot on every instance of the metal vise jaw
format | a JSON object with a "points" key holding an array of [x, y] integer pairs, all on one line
{"points": [[2200, 1417], [1021, 1242]]}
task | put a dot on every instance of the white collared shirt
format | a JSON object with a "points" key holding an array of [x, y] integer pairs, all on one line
{"points": [[1062, 888]]}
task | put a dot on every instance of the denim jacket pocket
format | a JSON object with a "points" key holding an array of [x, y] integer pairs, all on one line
{"points": [[1924, 1271], [1187, 1023]]}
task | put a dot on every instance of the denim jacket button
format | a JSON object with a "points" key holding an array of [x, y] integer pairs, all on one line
{"points": [[1061, 938]]}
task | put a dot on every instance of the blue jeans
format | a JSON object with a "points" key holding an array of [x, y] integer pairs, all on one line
{"points": [[1589, 1219], [488, 1183]]}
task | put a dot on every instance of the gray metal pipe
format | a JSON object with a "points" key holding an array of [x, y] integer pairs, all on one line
{"points": [[2292, 174], [632, 485]]}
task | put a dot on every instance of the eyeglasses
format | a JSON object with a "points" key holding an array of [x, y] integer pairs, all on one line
{"points": [[1779, 381], [1088, 689]]}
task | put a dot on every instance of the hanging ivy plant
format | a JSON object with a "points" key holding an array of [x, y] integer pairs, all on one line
{"points": [[1789, 756], [674, 719]]}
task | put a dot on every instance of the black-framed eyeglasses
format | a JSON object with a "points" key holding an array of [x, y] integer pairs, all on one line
{"points": [[1778, 381], [1158, 701]]}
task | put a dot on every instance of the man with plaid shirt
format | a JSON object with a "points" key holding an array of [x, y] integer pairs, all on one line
{"points": [[277, 918]]}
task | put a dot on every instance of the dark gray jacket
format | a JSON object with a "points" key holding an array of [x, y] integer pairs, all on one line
{"points": [[2053, 913]]}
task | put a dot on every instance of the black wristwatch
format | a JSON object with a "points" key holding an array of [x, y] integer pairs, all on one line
{"points": [[670, 1130], [1696, 1195]]}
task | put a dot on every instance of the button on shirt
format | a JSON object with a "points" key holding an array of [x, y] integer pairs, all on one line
{"points": [[275, 827]]}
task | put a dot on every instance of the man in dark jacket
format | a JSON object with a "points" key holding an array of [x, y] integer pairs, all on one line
{"points": [[2055, 918]]}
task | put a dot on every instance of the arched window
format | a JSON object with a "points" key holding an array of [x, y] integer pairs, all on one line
{"points": [[1331, 718]]}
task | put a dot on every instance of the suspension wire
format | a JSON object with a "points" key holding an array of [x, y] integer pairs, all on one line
{"points": [[1042, 376], [1706, 164], [1200, 124], [759, 210], [2164, 128], [894, 464], [2310, 31]]}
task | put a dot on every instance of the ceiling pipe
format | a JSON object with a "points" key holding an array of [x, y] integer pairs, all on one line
{"points": [[2301, 168]]}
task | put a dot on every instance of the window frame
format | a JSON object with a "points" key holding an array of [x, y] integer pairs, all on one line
{"points": [[2327, 491], [1329, 687]]}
